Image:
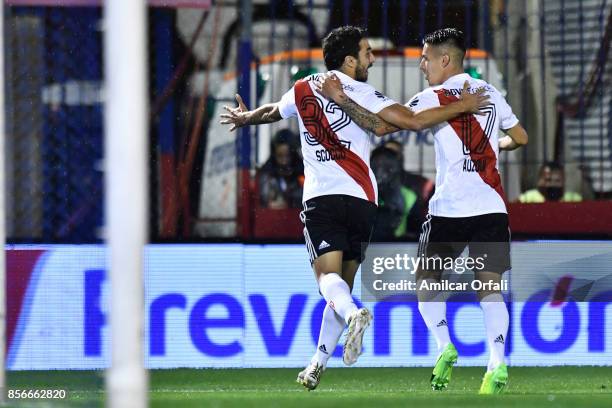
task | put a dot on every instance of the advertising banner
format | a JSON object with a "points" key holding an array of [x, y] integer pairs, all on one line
{"points": [[234, 305]]}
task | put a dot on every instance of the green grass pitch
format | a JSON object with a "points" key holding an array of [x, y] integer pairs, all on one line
{"points": [[349, 387]]}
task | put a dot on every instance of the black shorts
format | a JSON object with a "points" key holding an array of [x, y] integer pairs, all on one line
{"points": [[487, 236], [338, 223]]}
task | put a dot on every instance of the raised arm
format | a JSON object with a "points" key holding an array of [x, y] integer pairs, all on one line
{"points": [[241, 116], [364, 118], [515, 137], [406, 118], [396, 117]]}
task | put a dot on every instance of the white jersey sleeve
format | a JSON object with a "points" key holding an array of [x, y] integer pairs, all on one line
{"points": [[507, 119], [423, 100], [368, 97], [286, 106]]}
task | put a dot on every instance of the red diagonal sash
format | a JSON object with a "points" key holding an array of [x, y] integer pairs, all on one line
{"points": [[318, 126], [478, 138]]}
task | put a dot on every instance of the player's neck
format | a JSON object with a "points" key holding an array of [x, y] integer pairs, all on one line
{"points": [[347, 71], [451, 73]]}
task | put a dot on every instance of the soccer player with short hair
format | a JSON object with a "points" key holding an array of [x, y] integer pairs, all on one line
{"points": [[340, 193], [468, 205]]}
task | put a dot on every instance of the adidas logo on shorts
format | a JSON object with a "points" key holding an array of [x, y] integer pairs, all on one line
{"points": [[323, 349], [442, 323], [323, 245], [500, 339]]}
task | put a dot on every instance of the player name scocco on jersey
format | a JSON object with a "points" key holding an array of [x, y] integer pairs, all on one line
{"points": [[467, 151], [336, 151]]}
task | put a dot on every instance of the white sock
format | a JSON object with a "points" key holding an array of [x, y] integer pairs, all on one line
{"points": [[496, 322], [434, 315], [332, 327], [337, 294]]}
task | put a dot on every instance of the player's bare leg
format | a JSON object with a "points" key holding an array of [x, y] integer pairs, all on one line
{"points": [[496, 323], [349, 270]]}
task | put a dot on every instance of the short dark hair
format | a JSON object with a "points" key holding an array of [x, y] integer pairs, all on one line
{"points": [[340, 43], [552, 166], [285, 136], [385, 152], [446, 36]]}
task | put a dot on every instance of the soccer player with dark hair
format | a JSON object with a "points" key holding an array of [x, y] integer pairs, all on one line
{"points": [[469, 205], [340, 190]]}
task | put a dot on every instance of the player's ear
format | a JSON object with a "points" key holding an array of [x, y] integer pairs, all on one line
{"points": [[445, 60], [349, 61]]}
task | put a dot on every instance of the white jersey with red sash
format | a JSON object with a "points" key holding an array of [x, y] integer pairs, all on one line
{"points": [[336, 151], [468, 182]]}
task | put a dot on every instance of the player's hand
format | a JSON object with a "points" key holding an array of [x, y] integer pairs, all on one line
{"points": [[329, 86], [237, 117], [473, 102]]}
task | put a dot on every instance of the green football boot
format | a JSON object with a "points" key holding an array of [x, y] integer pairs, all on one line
{"points": [[494, 382], [441, 375]]}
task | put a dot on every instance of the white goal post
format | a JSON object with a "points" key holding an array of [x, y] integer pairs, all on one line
{"points": [[126, 186], [2, 218]]}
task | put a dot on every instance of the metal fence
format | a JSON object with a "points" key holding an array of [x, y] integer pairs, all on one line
{"points": [[54, 143]]}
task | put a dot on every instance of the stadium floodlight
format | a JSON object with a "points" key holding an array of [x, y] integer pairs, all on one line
{"points": [[126, 195]]}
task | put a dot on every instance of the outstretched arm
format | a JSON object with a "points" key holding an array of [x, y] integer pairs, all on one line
{"points": [[396, 117], [364, 118], [406, 118], [241, 116]]}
